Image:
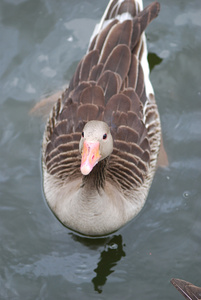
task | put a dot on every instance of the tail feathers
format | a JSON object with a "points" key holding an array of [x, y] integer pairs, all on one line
{"points": [[132, 8], [124, 22], [122, 10], [148, 14], [117, 8]]}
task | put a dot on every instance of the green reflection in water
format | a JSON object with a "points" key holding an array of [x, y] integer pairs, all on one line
{"points": [[153, 60]]}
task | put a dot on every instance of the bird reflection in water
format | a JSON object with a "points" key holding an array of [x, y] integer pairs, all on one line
{"points": [[109, 257]]}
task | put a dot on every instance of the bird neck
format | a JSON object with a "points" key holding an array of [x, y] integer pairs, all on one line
{"points": [[96, 178]]}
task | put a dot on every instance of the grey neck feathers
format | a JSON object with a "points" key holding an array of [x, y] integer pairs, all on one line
{"points": [[96, 178]]}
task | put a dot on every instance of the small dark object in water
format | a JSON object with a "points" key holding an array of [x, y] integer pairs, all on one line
{"points": [[187, 289]]}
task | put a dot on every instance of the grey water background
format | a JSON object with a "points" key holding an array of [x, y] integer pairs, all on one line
{"points": [[41, 42]]}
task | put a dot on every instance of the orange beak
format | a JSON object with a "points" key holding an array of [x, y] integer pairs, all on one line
{"points": [[90, 156]]}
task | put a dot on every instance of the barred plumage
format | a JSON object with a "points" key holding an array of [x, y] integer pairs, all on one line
{"points": [[111, 84]]}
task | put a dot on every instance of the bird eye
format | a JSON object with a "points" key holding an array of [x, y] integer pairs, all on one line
{"points": [[105, 136], [82, 133]]}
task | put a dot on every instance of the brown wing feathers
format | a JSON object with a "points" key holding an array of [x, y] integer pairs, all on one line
{"points": [[108, 85]]}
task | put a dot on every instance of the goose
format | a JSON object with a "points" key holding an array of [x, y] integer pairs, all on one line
{"points": [[187, 289], [103, 135]]}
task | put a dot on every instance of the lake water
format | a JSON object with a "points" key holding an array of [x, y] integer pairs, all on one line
{"points": [[41, 42]]}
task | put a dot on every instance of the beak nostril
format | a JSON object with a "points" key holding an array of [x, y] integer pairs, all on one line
{"points": [[90, 156]]}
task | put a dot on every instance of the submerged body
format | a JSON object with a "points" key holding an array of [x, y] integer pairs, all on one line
{"points": [[102, 138]]}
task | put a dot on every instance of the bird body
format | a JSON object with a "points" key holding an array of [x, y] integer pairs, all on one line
{"points": [[103, 135]]}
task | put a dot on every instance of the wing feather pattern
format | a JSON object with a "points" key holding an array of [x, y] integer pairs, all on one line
{"points": [[108, 85]]}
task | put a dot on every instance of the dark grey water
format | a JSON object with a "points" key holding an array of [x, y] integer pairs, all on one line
{"points": [[40, 44]]}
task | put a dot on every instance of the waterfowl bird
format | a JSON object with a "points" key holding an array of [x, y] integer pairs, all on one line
{"points": [[102, 137], [187, 289]]}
